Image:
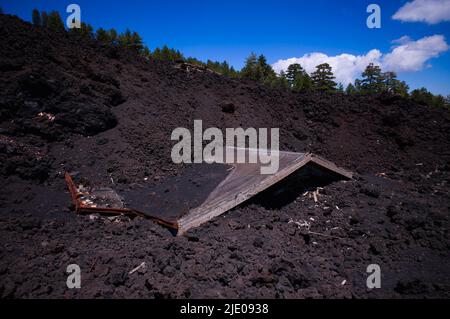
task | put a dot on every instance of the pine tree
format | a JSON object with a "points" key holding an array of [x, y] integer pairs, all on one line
{"points": [[422, 96], [44, 19], [265, 73], [322, 78], [394, 86], [102, 35], [233, 72], [36, 18], [124, 39], [112, 36], [293, 71], [86, 30], [178, 55], [55, 22], [224, 68], [215, 66], [438, 101], [281, 81], [146, 52], [195, 61], [350, 89], [358, 85], [372, 79], [257, 69], [136, 42], [297, 77], [402, 89], [156, 55], [249, 70], [165, 53], [340, 88]]}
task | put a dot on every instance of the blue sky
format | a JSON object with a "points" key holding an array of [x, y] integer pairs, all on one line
{"points": [[230, 30]]}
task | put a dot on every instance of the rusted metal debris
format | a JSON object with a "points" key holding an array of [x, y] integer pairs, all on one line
{"points": [[82, 204]]}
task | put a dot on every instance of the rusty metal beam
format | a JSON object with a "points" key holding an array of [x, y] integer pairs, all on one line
{"points": [[82, 208]]}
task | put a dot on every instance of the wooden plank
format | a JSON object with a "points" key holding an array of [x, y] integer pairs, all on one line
{"points": [[246, 181], [331, 166]]}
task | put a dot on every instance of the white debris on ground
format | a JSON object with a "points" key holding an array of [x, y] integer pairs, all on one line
{"points": [[141, 266], [47, 116], [305, 225], [300, 223], [99, 197]]}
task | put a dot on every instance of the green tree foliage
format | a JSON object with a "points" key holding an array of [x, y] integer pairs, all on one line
{"points": [[340, 88], [112, 36], [265, 73], [156, 55], [85, 31], [195, 61], [424, 97], [438, 101], [372, 80], [129, 40], [102, 35], [50, 20], [358, 86], [136, 42], [257, 69], [44, 19], [55, 22], [249, 69], [392, 85], [221, 67], [322, 78], [281, 81], [146, 52], [36, 18], [229, 70], [375, 81], [350, 89], [167, 54], [297, 78], [124, 39], [293, 72]]}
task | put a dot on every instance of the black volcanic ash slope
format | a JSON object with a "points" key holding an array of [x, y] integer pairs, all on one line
{"points": [[74, 105]]}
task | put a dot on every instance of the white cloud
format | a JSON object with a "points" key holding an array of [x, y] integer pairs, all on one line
{"points": [[429, 11], [402, 40], [412, 55], [406, 55], [346, 67]]}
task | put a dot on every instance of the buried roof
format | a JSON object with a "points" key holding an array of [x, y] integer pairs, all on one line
{"points": [[203, 192]]}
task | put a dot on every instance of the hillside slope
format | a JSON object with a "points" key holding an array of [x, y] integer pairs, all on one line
{"points": [[69, 104]]}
